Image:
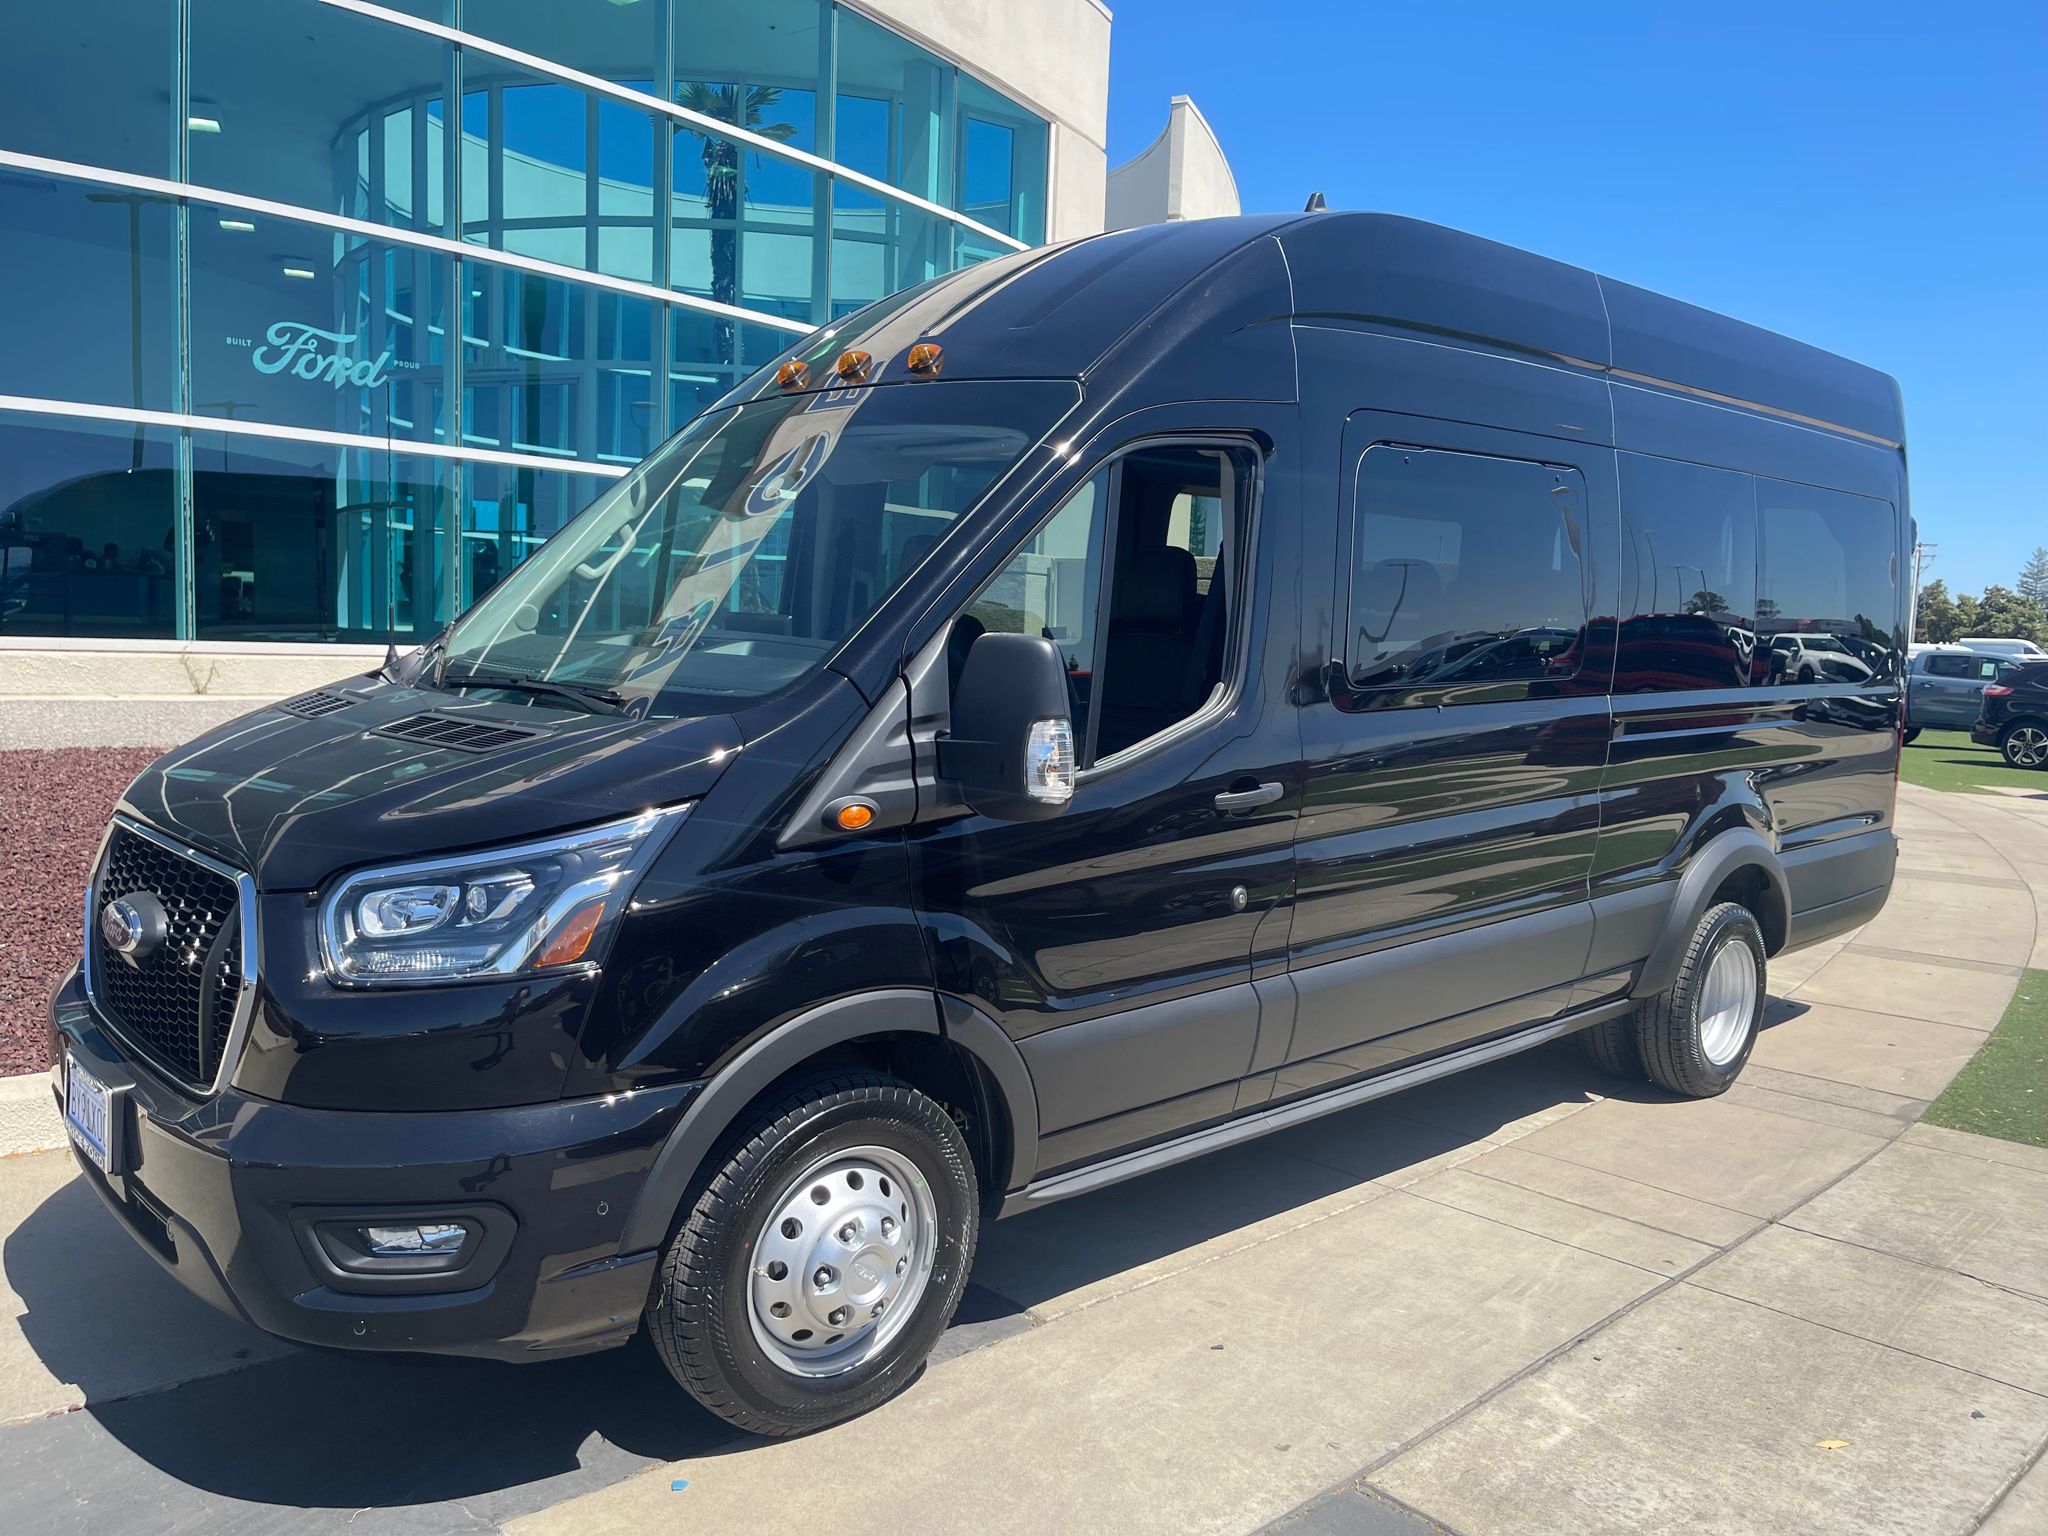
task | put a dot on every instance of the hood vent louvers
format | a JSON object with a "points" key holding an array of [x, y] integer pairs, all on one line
{"points": [[458, 732], [312, 706]]}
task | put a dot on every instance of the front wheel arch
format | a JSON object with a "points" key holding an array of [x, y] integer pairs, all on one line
{"points": [[898, 1031]]}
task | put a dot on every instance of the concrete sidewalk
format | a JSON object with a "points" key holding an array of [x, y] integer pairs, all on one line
{"points": [[1523, 1300]]}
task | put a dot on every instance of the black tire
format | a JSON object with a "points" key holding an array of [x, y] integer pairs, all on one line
{"points": [[1912, 734], [1668, 1026], [698, 1308], [2021, 744], [1612, 1048], [1806, 675]]}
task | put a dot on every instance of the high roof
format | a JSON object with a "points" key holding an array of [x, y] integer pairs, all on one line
{"points": [[1064, 311]]}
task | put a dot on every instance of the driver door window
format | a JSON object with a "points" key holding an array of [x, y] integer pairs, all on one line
{"points": [[1136, 578]]}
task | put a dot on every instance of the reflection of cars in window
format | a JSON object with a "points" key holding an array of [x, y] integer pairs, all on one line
{"points": [[1816, 659]]}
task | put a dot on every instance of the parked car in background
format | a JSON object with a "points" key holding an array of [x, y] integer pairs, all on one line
{"points": [[2024, 650], [1945, 686], [2013, 717]]}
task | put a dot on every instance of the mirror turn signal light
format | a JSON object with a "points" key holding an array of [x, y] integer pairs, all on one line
{"points": [[853, 366], [794, 374], [926, 358]]}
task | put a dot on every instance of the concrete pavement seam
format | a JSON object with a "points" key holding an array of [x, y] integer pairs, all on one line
{"points": [[1650, 1226], [1949, 962], [1415, 1189], [1850, 1333], [1909, 1112], [1665, 1285]]}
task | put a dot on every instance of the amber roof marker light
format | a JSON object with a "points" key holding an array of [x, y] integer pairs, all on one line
{"points": [[926, 358], [794, 374], [853, 366]]}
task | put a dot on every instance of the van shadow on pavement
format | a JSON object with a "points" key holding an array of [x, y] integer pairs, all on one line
{"points": [[316, 1431]]}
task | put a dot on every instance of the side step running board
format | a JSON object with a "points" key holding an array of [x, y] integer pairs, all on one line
{"points": [[1128, 1165]]}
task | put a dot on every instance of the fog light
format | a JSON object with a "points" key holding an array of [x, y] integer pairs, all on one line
{"points": [[426, 1240]]}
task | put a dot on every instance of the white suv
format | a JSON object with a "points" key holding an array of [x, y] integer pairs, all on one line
{"points": [[1815, 659]]}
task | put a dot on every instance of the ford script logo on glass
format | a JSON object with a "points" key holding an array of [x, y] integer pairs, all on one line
{"points": [[307, 352]]}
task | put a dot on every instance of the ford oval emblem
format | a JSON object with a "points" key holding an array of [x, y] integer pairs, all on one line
{"points": [[133, 925]]}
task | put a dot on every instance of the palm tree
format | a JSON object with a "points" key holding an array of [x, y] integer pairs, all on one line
{"points": [[722, 182]]}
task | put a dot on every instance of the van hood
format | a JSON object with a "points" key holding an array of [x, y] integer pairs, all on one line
{"points": [[295, 797]]}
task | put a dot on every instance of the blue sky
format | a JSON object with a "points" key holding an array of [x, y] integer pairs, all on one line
{"points": [[1872, 178]]}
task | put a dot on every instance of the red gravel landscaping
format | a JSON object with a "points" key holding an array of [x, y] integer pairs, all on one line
{"points": [[53, 806]]}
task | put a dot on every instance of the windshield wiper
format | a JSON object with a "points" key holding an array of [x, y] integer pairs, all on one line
{"points": [[588, 697]]}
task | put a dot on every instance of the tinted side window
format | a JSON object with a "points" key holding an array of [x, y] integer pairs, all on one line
{"points": [[1465, 569], [1688, 577], [1828, 579], [1976, 668]]}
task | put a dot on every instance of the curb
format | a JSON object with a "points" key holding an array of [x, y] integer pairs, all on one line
{"points": [[29, 1121]]}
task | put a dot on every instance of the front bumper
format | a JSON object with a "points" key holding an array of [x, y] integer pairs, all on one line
{"points": [[225, 1192], [1984, 733]]}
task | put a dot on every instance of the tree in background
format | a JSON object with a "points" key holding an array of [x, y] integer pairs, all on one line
{"points": [[2003, 612], [1937, 621], [1997, 613], [2034, 581]]}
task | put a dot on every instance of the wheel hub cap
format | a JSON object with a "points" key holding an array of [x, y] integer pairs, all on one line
{"points": [[1727, 1000], [2028, 747], [841, 1260]]}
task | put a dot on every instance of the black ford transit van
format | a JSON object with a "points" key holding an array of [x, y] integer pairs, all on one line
{"points": [[1096, 707]]}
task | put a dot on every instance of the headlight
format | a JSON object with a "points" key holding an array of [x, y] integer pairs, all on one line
{"points": [[501, 912]]}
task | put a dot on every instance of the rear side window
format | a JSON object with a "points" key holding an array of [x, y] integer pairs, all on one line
{"points": [[1980, 669], [1828, 583], [1688, 577], [1466, 569]]}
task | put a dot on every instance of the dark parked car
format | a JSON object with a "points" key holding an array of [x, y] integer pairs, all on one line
{"points": [[1945, 687], [2014, 717], [1097, 707]]}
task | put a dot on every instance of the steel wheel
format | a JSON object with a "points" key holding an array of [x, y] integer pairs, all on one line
{"points": [[841, 1261], [2026, 746], [1727, 999]]}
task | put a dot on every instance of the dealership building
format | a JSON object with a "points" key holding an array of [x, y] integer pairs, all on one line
{"points": [[321, 314]]}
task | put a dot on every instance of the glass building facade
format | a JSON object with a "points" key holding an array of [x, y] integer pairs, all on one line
{"points": [[319, 315]]}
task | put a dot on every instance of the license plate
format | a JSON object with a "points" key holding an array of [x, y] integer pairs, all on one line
{"points": [[87, 1116]]}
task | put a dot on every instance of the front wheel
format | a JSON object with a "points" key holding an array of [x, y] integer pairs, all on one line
{"points": [[1695, 1037], [821, 1262], [2025, 745]]}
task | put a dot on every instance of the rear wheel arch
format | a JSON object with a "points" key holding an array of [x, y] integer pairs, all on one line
{"points": [[1738, 865]]}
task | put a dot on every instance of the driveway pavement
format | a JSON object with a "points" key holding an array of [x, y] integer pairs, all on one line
{"points": [[1524, 1300]]}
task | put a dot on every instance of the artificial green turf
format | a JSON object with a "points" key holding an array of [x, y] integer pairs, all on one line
{"points": [[1950, 760], [2003, 1092]]}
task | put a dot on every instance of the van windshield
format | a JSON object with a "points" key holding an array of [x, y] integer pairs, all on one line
{"points": [[733, 561]]}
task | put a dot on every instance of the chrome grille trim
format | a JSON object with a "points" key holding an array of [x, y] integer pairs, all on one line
{"points": [[245, 938]]}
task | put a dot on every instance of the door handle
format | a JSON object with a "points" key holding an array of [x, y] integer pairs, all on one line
{"points": [[1249, 799]]}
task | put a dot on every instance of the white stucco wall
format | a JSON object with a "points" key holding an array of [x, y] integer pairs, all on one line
{"points": [[1052, 55], [1182, 174]]}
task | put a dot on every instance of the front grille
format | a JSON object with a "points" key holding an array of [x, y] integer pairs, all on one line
{"points": [[175, 1004]]}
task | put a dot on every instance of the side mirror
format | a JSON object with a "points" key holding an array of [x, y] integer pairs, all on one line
{"points": [[1011, 747]]}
